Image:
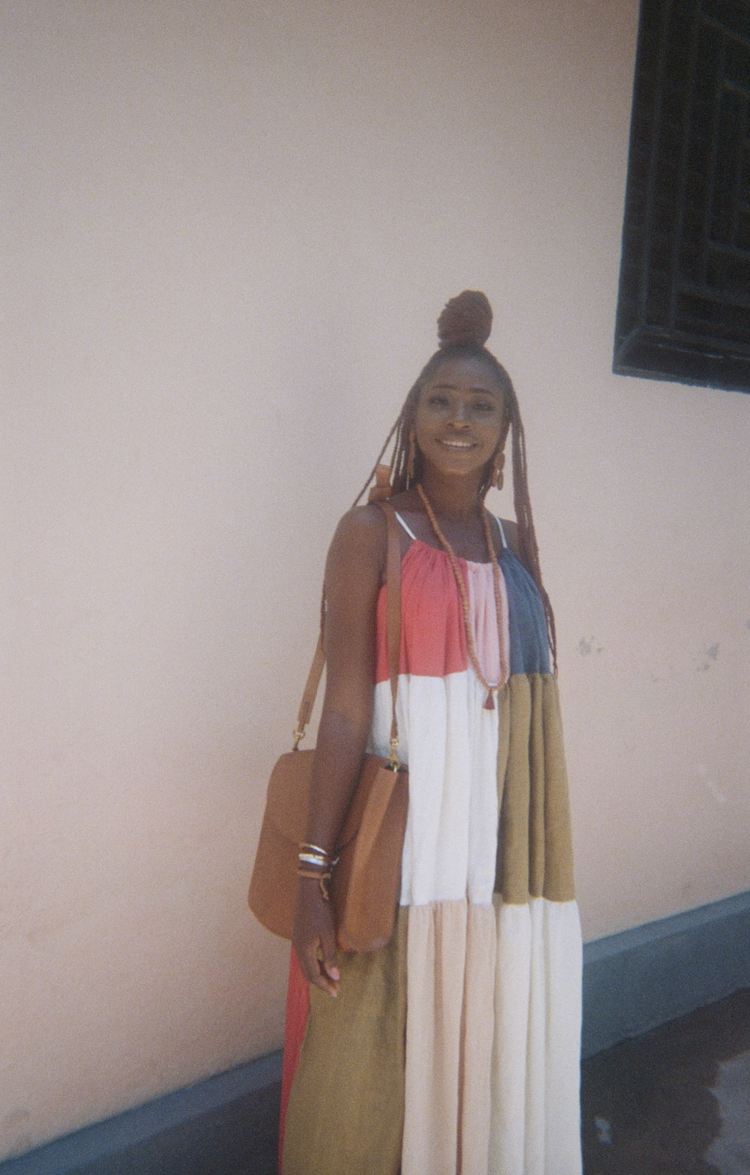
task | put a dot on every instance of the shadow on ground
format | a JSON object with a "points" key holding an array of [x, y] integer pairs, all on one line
{"points": [[647, 1104]]}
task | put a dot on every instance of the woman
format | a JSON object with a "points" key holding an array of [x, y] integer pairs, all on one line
{"points": [[455, 1048]]}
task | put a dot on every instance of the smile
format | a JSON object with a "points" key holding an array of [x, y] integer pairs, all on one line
{"points": [[458, 444]]}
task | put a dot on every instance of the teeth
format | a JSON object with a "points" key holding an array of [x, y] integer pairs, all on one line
{"points": [[458, 444]]}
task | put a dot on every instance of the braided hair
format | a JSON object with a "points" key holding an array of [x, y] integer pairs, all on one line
{"points": [[463, 329]]}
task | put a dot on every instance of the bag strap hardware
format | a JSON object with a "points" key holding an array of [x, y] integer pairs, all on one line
{"points": [[393, 760]]}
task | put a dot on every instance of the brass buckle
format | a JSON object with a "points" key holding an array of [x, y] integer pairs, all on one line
{"points": [[394, 763]]}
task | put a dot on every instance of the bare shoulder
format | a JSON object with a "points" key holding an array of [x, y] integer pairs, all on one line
{"points": [[359, 540], [363, 525]]}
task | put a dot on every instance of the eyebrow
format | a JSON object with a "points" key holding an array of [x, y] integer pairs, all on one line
{"points": [[473, 391]]}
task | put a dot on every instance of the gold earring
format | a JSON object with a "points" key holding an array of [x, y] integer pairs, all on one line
{"points": [[497, 471], [411, 455]]}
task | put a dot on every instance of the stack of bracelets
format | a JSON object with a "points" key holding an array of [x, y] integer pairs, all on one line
{"points": [[316, 863]]}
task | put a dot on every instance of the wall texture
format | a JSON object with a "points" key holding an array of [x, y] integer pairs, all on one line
{"points": [[227, 232]]}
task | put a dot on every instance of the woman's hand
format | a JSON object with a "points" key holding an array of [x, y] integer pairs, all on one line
{"points": [[314, 937]]}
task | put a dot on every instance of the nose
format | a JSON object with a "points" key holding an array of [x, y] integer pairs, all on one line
{"points": [[460, 415]]}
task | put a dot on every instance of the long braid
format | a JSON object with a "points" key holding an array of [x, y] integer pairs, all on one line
{"points": [[400, 480], [525, 520], [370, 476], [399, 434]]}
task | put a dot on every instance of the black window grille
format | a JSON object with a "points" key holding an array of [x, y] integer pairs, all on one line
{"points": [[683, 311]]}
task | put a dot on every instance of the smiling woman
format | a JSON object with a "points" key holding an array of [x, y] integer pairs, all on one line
{"points": [[455, 1047]]}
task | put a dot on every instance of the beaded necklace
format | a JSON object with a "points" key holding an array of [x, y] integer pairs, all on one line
{"points": [[489, 703]]}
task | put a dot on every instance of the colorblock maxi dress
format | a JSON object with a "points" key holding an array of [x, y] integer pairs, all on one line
{"points": [[455, 1049]]}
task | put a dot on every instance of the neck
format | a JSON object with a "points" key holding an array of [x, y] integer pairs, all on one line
{"points": [[455, 498]]}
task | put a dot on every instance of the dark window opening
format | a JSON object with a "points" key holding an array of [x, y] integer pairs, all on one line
{"points": [[683, 311]]}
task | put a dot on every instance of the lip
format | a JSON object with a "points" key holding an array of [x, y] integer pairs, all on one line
{"points": [[458, 446]]}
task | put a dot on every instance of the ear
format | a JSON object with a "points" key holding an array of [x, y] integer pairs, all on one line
{"points": [[498, 464]]}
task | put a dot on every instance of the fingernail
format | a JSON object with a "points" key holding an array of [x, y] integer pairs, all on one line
{"points": [[334, 973]]}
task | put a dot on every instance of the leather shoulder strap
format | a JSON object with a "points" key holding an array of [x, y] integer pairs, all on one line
{"points": [[310, 692], [393, 612]]}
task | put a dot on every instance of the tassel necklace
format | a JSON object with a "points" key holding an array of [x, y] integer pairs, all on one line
{"points": [[489, 703]]}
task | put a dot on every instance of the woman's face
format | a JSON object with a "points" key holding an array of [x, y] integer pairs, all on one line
{"points": [[459, 416]]}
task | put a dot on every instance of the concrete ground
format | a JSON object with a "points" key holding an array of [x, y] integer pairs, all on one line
{"points": [[675, 1101]]}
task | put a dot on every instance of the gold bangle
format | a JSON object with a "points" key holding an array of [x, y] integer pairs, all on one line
{"points": [[314, 849], [311, 859]]}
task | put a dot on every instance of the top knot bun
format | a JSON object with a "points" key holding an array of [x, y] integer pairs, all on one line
{"points": [[466, 319]]}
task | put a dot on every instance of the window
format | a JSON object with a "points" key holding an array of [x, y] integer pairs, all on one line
{"points": [[683, 311]]}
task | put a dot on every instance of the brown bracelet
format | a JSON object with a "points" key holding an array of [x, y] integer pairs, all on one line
{"points": [[322, 880]]}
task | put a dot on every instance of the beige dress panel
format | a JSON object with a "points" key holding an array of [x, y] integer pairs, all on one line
{"points": [[451, 967]]}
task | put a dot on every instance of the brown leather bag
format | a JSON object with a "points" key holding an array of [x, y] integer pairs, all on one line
{"points": [[365, 882]]}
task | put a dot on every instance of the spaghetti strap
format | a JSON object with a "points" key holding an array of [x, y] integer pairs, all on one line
{"points": [[411, 533], [502, 532]]}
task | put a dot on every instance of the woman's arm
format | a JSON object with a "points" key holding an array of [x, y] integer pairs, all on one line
{"points": [[354, 573]]}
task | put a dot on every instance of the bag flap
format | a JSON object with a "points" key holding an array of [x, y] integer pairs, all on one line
{"points": [[289, 793]]}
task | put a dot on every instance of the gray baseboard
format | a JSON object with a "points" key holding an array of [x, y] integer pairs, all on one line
{"points": [[644, 977], [632, 982]]}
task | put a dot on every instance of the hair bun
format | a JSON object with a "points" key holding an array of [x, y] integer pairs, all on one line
{"points": [[465, 319]]}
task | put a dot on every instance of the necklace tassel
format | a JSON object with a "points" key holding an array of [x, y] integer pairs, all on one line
{"points": [[489, 702]]}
